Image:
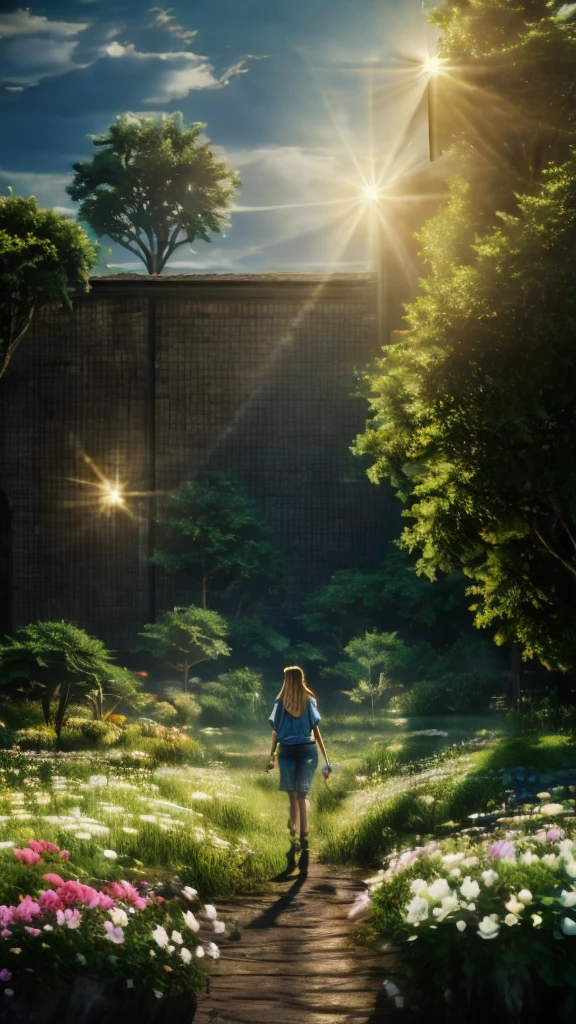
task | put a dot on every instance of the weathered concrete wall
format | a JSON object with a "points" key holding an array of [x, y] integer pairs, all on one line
{"points": [[157, 380]]}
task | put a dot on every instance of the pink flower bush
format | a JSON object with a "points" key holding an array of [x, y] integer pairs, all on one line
{"points": [[26, 910], [28, 857], [125, 891]]}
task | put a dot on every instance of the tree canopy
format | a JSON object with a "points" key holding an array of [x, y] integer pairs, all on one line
{"points": [[473, 414], [506, 92], [212, 532], [44, 258], [186, 637], [58, 661], [153, 186]]}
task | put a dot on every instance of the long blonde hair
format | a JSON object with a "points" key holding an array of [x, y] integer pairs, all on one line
{"points": [[295, 691]]}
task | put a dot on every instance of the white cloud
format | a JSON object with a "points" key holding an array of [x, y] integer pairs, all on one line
{"points": [[175, 83], [34, 48], [23, 23], [166, 20]]}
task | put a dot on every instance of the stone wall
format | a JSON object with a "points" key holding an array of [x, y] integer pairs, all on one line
{"points": [[156, 380]]}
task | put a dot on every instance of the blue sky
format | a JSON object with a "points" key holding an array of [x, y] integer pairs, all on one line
{"points": [[302, 96]]}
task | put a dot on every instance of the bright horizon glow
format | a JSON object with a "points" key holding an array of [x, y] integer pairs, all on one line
{"points": [[432, 66]]}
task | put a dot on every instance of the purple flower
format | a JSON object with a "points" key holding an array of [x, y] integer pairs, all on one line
{"points": [[5, 975], [553, 835], [504, 849]]}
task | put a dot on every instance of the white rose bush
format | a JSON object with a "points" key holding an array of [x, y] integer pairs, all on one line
{"points": [[486, 924]]}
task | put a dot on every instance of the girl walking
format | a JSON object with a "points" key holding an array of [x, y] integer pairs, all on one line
{"points": [[294, 721]]}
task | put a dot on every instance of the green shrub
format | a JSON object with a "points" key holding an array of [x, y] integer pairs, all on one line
{"points": [[88, 733], [216, 711], [187, 708], [40, 738], [454, 693], [164, 713], [174, 748]]}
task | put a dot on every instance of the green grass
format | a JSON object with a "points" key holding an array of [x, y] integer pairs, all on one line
{"points": [[221, 825]]}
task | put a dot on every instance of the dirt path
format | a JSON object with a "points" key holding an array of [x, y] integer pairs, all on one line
{"points": [[292, 959]]}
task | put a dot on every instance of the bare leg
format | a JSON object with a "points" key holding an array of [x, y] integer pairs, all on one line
{"points": [[303, 810], [294, 803]]}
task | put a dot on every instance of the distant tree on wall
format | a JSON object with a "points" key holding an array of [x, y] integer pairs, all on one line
{"points": [[212, 532], [153, 186], [44, 258]]}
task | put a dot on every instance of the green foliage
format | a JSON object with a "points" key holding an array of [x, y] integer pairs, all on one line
{"points": [[455, 693], [35, 738], [508, 95], [185, 704], [186, 637], [165, 713], [213, 533], [44, 258], [153, 187], [372, 662], [251, 638], [234, 696], [473, 419], [49, 660]]}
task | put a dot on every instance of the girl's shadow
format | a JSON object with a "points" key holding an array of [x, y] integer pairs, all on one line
{"points": [[291, 866]]}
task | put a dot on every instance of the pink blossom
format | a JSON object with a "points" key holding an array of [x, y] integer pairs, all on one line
{"points": [[43, 846], [5, 975], [115, 934], [5, 933], [50, 900], [53, 879], [106, 902], [553, 835], [65, 854], [125, 891], [75, 892], [504, 849], [6, 915], [28, 857], [35, 932], [27, 909], [71, 918]]}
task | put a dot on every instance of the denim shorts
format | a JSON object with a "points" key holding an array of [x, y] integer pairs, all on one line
{"points": [[298, 762]]}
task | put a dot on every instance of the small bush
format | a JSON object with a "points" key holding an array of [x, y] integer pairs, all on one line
{"points": [[164, 713], [217, 711], [454, 693], [87, 733], [40, 738], [187, 708]]}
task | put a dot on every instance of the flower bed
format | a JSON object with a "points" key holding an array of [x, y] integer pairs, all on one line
{"points": [[485, 925], [66, 944]]}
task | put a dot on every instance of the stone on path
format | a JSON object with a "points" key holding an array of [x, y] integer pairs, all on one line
{"points": [[295, 961]]}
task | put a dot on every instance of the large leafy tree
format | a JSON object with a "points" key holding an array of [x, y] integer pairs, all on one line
{"points": [[44, 258], [506, 92], [212, 532], [56, 662], [474, 415], [185, 638], [153, 186]]}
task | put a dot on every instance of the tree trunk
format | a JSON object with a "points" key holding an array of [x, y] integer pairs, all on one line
{"points": [[62, 705], [204, 599], [515, 677], [186, 674], [46, 699]]}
